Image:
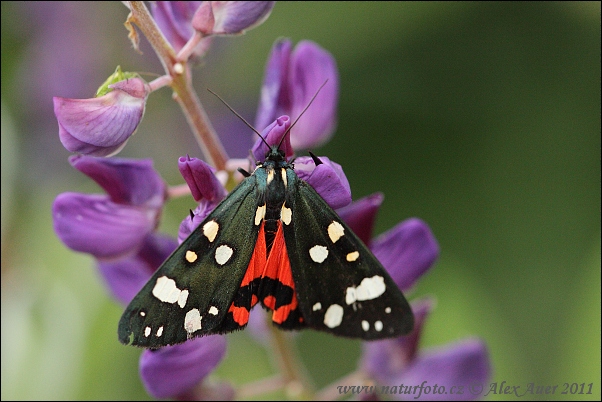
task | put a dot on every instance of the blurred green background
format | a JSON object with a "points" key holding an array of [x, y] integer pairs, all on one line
{"points": [[483, 119]]}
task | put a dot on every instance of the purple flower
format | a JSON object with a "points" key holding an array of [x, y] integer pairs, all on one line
{"points": [[327, 178], [178, 20], [176, 371], [126, 276], [230, 17], [273, 134], [398, 362], [206, 189], [118, 229], [113, 225], [201, 179], [291, 80], [101, 126], [174, 18]]}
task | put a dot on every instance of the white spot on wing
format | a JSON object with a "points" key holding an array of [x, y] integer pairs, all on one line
{"points": [[368, 289], [378, 326], [147, 331], [333, 316], [142, 314], [192, 321], [335, 231], [223, 254], [182, 299], [166, 290], [213, 310], [365, 325], [160, 331], [210, 230], [286, 215], [318, 253], [317, 306], [259, 214], [350, 296], [191, 256], [388, 310], [353, 256]]}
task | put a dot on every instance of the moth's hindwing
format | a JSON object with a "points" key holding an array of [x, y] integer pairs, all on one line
{"points": [[191, 294], [341, 287]]}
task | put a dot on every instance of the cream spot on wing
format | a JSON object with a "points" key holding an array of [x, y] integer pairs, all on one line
{"points": [[213, 310], [270, 176], [259, 214], [192, 321], [191, 256], [286, 215], [388, 310], [318, 253], [317, 306], [353, 256], [210, 230], [378, 326], [335, 231], [365, 325], [368, 289], [160, 331], [333, 316], [284, 180], [142, 314], [223, 254], [147, 331]]}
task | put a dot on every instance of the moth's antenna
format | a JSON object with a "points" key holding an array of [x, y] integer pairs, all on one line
{"points": [[301, 114], [242, 118]]}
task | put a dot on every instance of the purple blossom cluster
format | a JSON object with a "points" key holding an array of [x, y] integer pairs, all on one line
{"points": [[118, 228]]}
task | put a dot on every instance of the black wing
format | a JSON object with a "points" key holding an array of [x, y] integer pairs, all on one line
{"points": [[341, 287], [192, 292]]}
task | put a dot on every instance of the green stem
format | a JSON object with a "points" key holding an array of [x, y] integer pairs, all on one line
{"points": [[297, 382]]}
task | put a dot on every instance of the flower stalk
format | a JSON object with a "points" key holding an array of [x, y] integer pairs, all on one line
{"points": [[181, 84]]}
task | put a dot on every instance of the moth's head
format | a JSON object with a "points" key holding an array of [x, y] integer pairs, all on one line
{"points": [[275, 154]]}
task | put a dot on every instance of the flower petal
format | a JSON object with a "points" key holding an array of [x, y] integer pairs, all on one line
{"points": [[360, 215], [310, 67], [92, 224], [407, 251], [101, 126], [385, 359], [275, 98], [199, 214], [201, 179], [273, 135], [174, 19], [176, 370], [461, 364], [125, 277], [328, 179], [258, 326], [235, 17], [127, 181], [203, 19], [291, 80]]}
